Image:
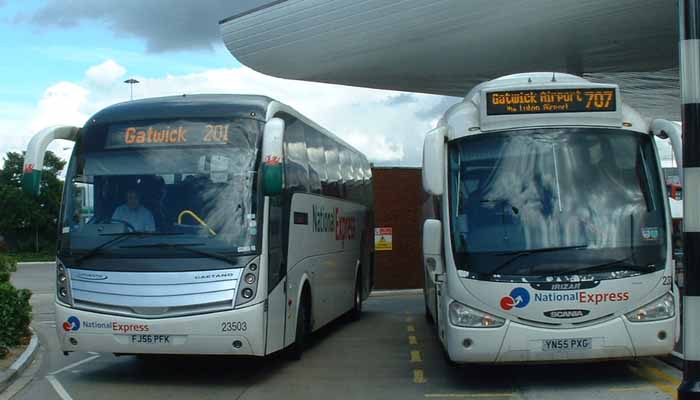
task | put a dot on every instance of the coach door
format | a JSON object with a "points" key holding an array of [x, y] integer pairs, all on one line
{"points": [[276, 306]]}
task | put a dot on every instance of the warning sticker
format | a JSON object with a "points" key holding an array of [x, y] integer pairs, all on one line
{"points": [[382, 239]]}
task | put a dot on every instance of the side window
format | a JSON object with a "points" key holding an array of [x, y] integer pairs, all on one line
{"points": [[367, 170], [317, 160], [367, 190], [356, 188], [295, 158], [335, 179], [358, 167], [348, 172]]}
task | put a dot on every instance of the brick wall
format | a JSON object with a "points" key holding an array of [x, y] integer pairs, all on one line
{"points": [[397, 204]]}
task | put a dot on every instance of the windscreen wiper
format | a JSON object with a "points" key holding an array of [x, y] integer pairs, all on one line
{"points": [[522, 253], [614, 265], [118, 238], [184, 246]]}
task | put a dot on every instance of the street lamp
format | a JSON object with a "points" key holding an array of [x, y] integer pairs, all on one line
{"points": [[131, 83]]}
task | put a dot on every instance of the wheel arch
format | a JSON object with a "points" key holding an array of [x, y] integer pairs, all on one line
{"points": [[304, 283]]}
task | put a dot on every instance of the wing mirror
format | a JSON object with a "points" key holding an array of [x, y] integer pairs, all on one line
{"points": [[34, 156], [670, 130], [432, 247], [434, 161], [272, 167]]}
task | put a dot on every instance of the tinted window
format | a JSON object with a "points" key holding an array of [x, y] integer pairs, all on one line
{"points": [[354, 185], [562, 192], [347, 169], [357, 167], [368, 170], [333, 186], [316, 158], [295, 158]]}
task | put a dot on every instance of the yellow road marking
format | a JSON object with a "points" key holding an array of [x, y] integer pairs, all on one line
{"points": [[644, 388], [412, 340], [662, 375], [466, 395], [415, 356], [418, 376], [411, 328], [668, 388]]}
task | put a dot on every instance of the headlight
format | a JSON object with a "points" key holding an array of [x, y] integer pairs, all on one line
{"points": [[248, 284], [63, 293], [468, 317], [249, 279], [661, 308]]}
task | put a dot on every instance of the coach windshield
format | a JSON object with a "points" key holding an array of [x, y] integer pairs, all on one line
{"points": [[177, 188], [545, 202]]}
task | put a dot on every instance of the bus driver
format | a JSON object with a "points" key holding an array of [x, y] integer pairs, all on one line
{"points": [[133, 213]]}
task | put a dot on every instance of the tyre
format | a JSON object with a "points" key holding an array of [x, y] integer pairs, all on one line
{"points": [[428, 315], [356, 311], [302, 331]]}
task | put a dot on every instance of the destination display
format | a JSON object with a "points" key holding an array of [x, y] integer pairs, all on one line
{"points": [[171, 133], [550, 101]]}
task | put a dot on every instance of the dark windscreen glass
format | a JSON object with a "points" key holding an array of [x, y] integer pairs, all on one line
{"points": [[535, 202], [199, 195]]}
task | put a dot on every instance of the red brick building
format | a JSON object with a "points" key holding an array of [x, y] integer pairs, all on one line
{"points": [[397, 205]]}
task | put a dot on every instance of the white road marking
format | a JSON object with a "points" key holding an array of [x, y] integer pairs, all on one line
{"points": [[58, 388], [93, 353], [24, 379], [71, 366]]}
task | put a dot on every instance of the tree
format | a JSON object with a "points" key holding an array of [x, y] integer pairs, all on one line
{"points": [[27, 220], [15, 310]]}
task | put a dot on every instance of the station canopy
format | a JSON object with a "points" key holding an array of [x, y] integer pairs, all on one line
{"points": [[447, 46]]}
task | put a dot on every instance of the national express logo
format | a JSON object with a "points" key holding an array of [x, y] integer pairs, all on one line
{"points": [[345, 228], [518, 298], [72, 324]]}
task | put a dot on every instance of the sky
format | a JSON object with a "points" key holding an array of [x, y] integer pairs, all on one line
{"points": [[66, 60]]}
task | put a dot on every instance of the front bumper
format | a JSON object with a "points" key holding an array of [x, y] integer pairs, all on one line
{"points": [[213, 333], [515, 342]]}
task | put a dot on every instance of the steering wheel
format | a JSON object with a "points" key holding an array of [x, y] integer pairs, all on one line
{"points": [[95, 220], [128, 225]]}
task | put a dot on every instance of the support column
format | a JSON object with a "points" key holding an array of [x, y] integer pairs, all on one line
{"points": [[690, 96]]}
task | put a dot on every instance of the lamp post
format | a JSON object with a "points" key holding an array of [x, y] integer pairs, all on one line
{"points": [[690, 96], [131, 83]]}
